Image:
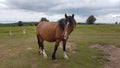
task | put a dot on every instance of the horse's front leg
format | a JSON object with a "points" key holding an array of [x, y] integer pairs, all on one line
{"points": [[64, 49], [55, 49]]}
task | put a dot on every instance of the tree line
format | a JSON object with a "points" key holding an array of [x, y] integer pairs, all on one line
{"points": [[20, 23], [90, 20]]}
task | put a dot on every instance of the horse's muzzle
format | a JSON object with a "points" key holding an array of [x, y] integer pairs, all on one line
{"points": [[65, 36]]}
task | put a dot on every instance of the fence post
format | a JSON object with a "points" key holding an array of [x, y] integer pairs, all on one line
{"points": [[10, 32], [24, 31]]}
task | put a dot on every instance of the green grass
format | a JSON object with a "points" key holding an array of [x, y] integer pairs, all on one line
{"points": [[20, 51]]}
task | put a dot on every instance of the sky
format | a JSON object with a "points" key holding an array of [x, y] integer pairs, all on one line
{"points": [[105, 11]]}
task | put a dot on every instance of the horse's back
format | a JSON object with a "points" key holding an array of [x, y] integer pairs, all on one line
{"points": [[47, 26], [46, 31]]}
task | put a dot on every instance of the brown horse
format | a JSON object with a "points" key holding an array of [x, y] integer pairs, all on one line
{"points": [[55, 32]]}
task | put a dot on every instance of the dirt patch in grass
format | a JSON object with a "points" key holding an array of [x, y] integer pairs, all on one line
{"points": [[56, 65], [112, 54], [33, 61], [71, 46]]}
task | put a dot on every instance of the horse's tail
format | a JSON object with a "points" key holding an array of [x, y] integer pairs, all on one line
{"points": [[38, 39]]}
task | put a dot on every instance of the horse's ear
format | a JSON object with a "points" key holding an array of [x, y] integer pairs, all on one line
{"points": [[72, 15], [66, 15]]}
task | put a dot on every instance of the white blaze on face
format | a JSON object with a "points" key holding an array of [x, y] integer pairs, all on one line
{"points": [[67, 24], [66, 34], [44, 54]]}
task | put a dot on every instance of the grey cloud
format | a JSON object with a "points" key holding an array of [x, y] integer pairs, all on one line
{"points": [[81, 7], [34, 5]]}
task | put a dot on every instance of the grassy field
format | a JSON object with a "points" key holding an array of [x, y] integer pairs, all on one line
{"points": [[21, 51]]}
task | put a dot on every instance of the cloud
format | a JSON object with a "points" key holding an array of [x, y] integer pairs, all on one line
{"points": [[34, 5], [62, 6], [109, 18], [33, 10]]}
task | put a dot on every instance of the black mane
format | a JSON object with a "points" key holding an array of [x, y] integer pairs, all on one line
{"points": [[62, 23]]}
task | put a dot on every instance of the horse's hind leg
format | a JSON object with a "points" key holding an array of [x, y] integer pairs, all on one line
{"points": [[41, 47]]}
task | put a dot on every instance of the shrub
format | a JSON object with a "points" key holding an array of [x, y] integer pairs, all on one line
{"points": [[91, 19]]}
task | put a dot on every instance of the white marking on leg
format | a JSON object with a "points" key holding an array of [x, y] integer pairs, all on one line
{"points": [[65, 55], [44, 54], [41, 52]]}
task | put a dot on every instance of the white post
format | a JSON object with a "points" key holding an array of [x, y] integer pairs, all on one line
{"points": [[10, 32], [24, 31]]}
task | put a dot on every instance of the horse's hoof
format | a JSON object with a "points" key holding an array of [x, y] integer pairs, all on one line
{"points": [[45, 57], [39, 53], [54, 58], [65, 57]]}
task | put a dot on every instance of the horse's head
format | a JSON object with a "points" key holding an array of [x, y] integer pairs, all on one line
{"points": [[67, 24]]}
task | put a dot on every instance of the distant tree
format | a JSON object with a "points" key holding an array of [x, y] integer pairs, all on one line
{"points": [[20, 23], [44, 19], [36, 24], [116, 22], [91, 19]]}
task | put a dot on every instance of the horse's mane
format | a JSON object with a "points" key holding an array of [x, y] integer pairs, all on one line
{"points": [[62, 23]]}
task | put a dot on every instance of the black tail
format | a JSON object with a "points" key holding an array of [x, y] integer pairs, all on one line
{"points": [[38, 39]]}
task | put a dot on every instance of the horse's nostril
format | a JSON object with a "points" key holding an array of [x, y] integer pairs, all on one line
{"points": [[65, 36]]}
